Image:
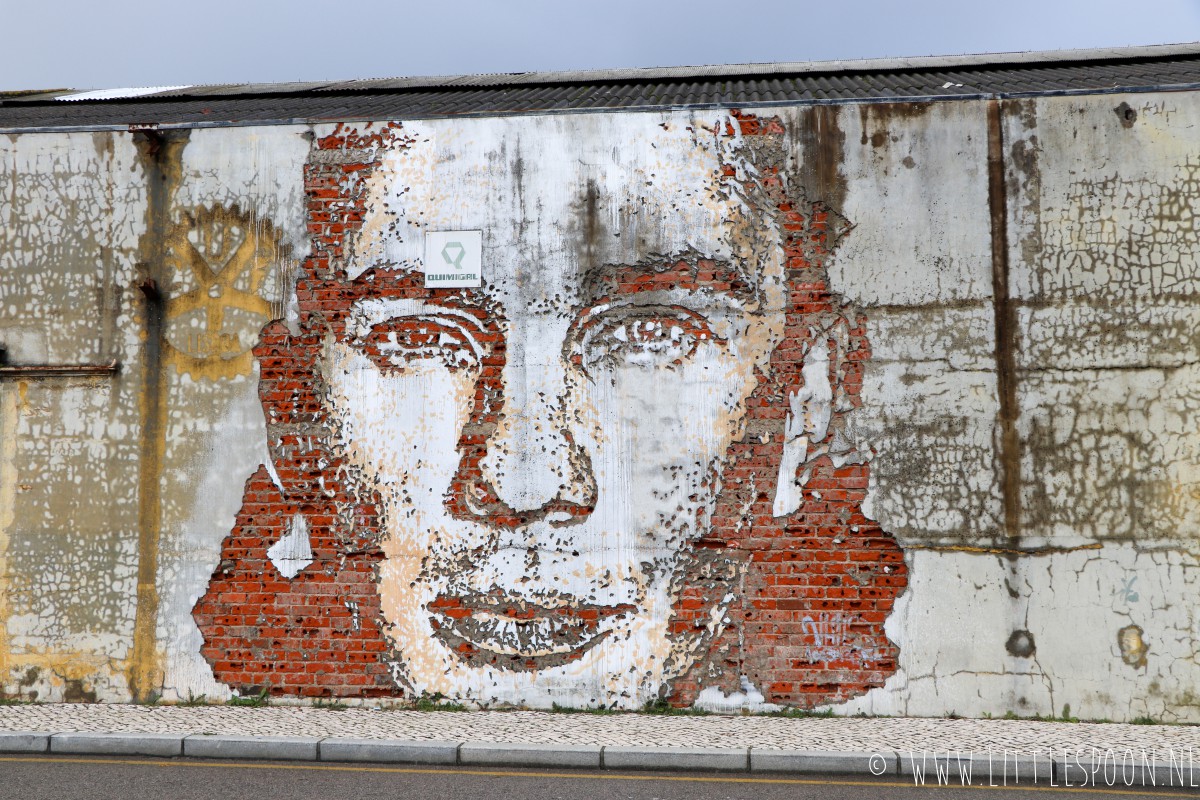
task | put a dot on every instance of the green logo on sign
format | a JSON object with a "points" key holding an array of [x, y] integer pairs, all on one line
{"points": [[453, 254]]}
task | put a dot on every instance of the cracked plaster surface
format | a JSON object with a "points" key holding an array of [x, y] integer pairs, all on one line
{"points": [[70, 221]]}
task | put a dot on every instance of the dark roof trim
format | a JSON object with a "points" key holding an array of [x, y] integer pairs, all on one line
{"points": [[303, 120], [1156, 69]]}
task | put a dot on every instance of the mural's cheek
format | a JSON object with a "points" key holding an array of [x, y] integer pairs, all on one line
{"points": [[658, 439], [398, 433], [657, 435]]}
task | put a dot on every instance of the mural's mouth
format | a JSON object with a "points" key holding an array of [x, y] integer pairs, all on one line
{"points": [[517, 633]]}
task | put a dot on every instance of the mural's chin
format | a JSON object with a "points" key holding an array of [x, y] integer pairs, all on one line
{"points": [[514, 633]]}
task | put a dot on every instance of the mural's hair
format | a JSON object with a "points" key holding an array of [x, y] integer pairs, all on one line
{"points": [[776, 573]]}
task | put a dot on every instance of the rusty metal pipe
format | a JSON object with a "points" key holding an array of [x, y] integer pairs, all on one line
{"points": [[20, 371]]}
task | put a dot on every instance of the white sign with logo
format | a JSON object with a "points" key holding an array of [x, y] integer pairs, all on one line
{"points": [[453, 259]]}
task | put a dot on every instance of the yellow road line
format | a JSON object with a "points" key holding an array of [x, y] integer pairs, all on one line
{"points": [[493, 773]]}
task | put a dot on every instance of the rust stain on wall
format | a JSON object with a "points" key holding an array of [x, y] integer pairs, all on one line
{"points": [[1004, 311], [161, 158], [882, 123], [823, 141], [11, 400], [1132, 645]]}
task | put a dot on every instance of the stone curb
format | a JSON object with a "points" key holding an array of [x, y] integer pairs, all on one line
{"points": [[723, 759], [273, 748], [388, 751], [24, 742], [833, 762], [1061, 772], [117, 744], [530, 755]]}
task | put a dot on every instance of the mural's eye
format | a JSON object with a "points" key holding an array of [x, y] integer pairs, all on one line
{"points": [[400, 341], [644, 336]]}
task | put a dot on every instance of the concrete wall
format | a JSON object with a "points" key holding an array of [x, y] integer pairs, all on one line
{"points": [[889, 408]]}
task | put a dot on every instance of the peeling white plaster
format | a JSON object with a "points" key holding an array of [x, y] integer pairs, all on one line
{"points": [[954, 622], [807, 423], [748, 701], [293, 552], [70, 220]]}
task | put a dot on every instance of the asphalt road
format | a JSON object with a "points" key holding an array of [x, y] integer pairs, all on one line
{"points": [[93, 778]]}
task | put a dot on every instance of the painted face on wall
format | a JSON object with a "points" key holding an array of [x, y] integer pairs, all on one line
{"points": [[545, 449]]}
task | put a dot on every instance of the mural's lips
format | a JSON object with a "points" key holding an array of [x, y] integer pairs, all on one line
{"points": [[521, 628]]}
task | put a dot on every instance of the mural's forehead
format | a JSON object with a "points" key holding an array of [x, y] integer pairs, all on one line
{"points": [[554, 194]]}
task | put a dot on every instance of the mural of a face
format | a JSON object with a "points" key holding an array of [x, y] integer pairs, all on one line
{"points": [[545, 449], [624, 468]]}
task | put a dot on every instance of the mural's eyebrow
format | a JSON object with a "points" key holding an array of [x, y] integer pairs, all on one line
{"points": [[370, 312], [689, 272]]}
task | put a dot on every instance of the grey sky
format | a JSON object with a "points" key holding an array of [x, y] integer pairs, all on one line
{"points": [[87, 44]]}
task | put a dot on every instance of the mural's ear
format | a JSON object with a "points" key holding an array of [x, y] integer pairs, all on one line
{"points": [[289, 383], [810, 409]]}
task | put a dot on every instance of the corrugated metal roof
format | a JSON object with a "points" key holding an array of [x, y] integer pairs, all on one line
{"points": [[119, 94], [1127, 69]]}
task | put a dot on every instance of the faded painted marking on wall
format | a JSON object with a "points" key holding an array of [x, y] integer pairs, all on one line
{"points": [[221, 259], [834, 639]]}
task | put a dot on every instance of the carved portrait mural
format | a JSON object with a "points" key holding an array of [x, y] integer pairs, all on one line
{"points": [[623, 469]]}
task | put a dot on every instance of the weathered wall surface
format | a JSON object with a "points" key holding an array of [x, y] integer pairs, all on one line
{"points": [[890, 408], [68, 474], [1052, 565], [167, 255]]}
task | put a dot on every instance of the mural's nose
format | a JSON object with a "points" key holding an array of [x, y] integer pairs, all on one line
{"points": [[529, 466]]}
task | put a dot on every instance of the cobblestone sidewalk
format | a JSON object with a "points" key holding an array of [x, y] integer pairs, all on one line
{"points": [[856, 734]]}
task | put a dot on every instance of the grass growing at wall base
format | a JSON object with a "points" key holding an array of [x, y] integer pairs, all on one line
{"points": [[803, 713], [555, 708], [1066, 717], [436, 702], [329, 705], [252, 701], [661, 707]]}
